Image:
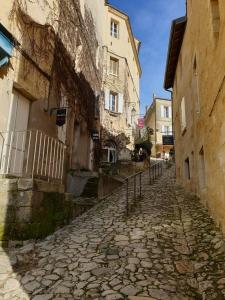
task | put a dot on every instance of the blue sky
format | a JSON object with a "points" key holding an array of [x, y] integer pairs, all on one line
{"points": [[151, 22]]}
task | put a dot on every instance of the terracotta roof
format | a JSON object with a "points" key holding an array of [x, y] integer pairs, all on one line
{"points": [[176, 39]]}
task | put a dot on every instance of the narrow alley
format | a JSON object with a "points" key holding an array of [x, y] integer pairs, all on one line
{"points": [[168, 248]]}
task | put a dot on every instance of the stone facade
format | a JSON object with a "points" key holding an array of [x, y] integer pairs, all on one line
{"points": [[121, 74], [159, 118], [199, 93]]}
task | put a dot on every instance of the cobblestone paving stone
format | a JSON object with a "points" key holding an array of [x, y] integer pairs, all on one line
{"points": [[168, 248]]}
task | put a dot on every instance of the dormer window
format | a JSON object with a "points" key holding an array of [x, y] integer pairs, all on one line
{"points": [[114, 29]]}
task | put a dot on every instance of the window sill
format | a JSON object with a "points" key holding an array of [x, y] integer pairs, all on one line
{"points": [[114, 114], [183, 131], [114, 75]]}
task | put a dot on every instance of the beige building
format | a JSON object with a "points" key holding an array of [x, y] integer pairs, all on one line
{"points": [[195, 72], [121, 74], [158, 117], [50, 90], [50, 65]]}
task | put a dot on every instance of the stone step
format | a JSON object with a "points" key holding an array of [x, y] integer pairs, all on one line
{"points": [[141, 298]]}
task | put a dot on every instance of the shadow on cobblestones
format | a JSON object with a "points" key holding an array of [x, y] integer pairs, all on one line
{"points": [[168, 248]]}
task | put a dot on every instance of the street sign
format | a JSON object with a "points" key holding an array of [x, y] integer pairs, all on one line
{"points": [[95, 135], [141, 123], [168, 140], [60, 117]]}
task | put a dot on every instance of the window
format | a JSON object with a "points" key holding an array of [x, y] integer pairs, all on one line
{"points": [[133, 118], [114, 29], [187, 169], [215, 17], [183, 116], [114, 66], [113, 102], [202, 178], [165, 130], [109, 153], [165, 111], [196, 85]]}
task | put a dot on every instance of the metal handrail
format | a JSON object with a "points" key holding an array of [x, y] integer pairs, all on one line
{"points": [[155, 171]]}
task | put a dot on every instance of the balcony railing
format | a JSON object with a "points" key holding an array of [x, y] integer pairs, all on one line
{"points": [[31, 154]]}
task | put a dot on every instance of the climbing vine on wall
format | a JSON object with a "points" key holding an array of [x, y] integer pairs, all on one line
{"points": [[65, 49]]}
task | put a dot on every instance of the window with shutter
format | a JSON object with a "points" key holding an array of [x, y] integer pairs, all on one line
{"points": [[114, 66], [183, 115], [114, 29]]}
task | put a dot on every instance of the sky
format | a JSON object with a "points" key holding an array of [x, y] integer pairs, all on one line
{"points": [[151, 23]]}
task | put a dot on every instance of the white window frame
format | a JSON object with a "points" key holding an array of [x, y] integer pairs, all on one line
{"points": [[113, 102], [114, 66], [183, 115], [114, 28], [111, 149]]}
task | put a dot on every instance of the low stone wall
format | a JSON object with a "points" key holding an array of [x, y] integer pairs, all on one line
{"points": [[107, 184], [32, 209]]}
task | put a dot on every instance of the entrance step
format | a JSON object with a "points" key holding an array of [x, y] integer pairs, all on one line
{"points": [[141, 298]]}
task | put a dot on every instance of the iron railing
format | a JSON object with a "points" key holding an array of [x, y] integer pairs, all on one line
{"points": [[134, 184], [31, 154]]}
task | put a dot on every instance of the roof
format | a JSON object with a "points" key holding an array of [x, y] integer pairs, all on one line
{"points": [[176, 39], [135, 48]]}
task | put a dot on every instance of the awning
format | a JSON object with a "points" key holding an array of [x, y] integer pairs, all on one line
{"points": [[6, 45]]}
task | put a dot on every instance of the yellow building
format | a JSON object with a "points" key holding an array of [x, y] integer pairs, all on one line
{"points": [[195, 72], [158, 117], [121, 75]]}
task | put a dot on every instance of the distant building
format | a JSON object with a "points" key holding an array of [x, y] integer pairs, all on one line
{"points": [[195, 72], [121, 74], [159, 118]]}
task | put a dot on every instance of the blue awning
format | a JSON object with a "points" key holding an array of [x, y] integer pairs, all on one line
{"points": [[6, 45]]}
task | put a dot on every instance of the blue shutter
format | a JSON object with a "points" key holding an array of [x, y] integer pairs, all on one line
{"points": [[6, 46]]}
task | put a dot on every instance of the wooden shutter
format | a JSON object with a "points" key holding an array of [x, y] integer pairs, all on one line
{"points": [[120, 103], [107, 99], [170, 112], [162, 111]]}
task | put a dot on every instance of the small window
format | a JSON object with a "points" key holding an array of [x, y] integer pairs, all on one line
{"points": [[114, 66], [113, 102], [114, 29], [109, 153], [202, 177], [215, 17], [166, 130], [187, 173], [133, 118], [183, 116], [165, 111]]}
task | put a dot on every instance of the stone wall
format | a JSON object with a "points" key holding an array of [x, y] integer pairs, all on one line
{"points": [[31, 209], [199, 80]]}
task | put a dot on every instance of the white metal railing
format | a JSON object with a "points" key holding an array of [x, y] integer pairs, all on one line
{"points": [[31, 153]]}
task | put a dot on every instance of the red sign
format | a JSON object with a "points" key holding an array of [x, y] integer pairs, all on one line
{"points": [[141, 123]]}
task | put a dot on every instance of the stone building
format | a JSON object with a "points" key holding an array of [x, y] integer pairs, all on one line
{"points": [[159, 118], [195, 72], [121, 74], [50, 89]]}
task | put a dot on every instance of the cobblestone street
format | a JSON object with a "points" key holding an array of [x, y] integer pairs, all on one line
{"points": [[168, 248]]}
